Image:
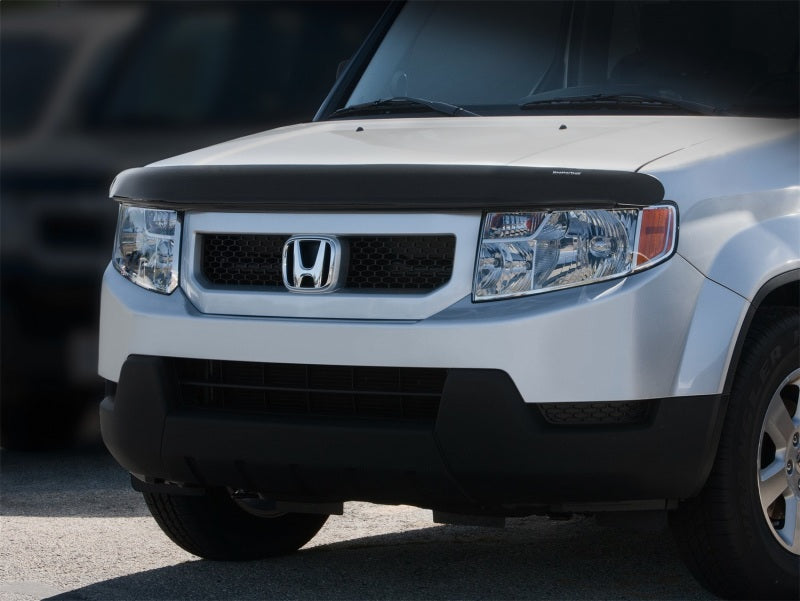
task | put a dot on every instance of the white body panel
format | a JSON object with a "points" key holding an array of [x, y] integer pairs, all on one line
{"points": [[668, 331], [740, 205], [589, 142]]}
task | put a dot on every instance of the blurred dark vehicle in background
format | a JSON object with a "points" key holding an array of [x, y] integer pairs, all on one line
{"points": [[87, 90]]}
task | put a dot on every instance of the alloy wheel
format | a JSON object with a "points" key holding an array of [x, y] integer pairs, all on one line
{"points": [[778, 471]]}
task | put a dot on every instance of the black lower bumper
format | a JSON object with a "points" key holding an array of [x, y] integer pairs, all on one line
{"points": [[486, 448]]}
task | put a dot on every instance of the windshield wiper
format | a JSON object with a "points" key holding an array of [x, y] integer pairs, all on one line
{"points": [[644, 101], [403, 104]]}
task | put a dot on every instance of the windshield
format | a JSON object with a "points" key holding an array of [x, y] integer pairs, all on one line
{"points": [[734, 58]]}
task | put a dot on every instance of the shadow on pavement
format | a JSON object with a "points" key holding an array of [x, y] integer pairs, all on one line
{"points": [[548, 561]]}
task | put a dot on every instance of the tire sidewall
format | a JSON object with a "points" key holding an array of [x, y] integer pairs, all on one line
{"points": [[777, 356]]}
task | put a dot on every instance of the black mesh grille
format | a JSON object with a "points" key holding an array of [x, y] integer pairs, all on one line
{"points": [[596, 414], [389, 393], [400, 262], [387, 263], [242, 259]]}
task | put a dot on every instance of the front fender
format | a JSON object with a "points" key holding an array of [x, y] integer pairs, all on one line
{"points": [[758, 254], [740, 271]]}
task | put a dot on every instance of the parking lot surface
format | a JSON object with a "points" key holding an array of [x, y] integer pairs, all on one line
{"points": [[72, 528]]}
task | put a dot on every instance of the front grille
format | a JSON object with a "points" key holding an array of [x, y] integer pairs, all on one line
{"points": [[400, 262], [323, 391], [596, 414], [242, 259], [383, 263]]}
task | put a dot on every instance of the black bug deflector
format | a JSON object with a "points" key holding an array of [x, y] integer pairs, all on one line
{"points": [[381, 187]]}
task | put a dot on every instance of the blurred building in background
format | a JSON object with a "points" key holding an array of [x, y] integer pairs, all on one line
{"points": [[90, 89]]}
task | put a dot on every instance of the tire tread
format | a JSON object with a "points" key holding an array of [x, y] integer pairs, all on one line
{"points": [[214, 527], [713, 534]]}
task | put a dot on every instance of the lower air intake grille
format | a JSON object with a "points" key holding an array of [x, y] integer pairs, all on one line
{"points": [[383, 263], [384, 393], [596, 414]]}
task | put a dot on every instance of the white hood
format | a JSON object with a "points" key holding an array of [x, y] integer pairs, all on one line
{"points": [[624, 143]]}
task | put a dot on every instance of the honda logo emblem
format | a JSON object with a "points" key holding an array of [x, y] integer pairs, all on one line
{"points": [[311, 263]]}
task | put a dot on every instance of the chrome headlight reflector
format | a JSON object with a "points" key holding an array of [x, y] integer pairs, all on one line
{"points": [[147, 247], [525, 253]]}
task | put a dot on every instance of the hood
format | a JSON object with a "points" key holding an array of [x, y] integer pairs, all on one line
{"points": [[621, 143]]}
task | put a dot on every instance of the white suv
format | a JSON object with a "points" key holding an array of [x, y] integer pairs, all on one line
{"points": [[528, 259]]}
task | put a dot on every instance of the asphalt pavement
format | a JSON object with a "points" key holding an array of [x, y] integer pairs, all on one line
{"points": [[72, 528]]}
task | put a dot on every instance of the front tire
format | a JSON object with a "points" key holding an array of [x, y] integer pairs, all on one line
{"points": [[741, 536], [215, 526]]}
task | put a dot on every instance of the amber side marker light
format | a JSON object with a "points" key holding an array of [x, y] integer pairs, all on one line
{"points": [[656, 234]]}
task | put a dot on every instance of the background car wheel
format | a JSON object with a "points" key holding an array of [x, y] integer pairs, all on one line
{"points": [[741, 536], [215, 526]]}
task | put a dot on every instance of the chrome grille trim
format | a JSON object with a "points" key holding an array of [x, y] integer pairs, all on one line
{"points": [[391, 304]]}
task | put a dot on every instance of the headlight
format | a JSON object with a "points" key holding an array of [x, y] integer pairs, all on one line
{"points": [[529, 252], [147, 247]]}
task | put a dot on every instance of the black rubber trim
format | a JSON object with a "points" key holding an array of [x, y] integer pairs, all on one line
{"points": [[381, 187], [488, 449], [139, 398], [503, 451], [773, 284]]}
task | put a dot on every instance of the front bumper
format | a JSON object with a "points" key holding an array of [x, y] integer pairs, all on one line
{"points": [[487, 450], [619, 340]]}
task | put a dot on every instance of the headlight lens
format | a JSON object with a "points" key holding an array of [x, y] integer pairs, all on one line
{"points": [[529, 252], [147, 247]]}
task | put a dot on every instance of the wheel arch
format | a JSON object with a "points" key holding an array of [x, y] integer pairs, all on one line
{"points": [[780, 291]]}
